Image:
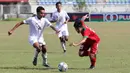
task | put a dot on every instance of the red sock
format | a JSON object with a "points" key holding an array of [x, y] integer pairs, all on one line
{"points": [[93, 61]]}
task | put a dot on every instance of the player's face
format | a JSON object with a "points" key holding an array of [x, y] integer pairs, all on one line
{"points": [[58, 7], [79, 29], [41, 14]]}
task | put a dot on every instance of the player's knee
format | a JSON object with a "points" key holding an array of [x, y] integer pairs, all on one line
{"points": [[66, 39], [61, 39], [38, 50], [92, 55], [44, 49]]}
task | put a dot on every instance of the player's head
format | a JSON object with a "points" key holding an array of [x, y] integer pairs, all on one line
{"points": [[40, 12], [78, 25], [58, 6]]}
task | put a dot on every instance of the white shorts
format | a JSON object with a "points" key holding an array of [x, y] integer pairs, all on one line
{"points": [[63, 33], [33, 40], [63, 30]]}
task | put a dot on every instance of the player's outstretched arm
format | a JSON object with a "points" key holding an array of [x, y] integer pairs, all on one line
{"points": [[57, 31], [79, 43], [84, 17], [16, 26]]}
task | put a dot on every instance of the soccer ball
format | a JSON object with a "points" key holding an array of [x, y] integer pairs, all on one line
{"points": [[62, 67]]}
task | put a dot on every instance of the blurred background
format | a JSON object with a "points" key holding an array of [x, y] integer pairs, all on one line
{"points": [[26, 8]]}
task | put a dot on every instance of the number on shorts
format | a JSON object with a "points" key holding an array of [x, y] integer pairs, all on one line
{"points": [[81, 47]]}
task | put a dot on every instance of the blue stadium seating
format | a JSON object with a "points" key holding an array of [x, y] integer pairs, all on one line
{"points": [[92, 2], [46, 2], [118, 2]]}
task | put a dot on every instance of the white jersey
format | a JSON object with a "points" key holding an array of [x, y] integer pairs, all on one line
{"points": [[36, 28], [60, 18]]}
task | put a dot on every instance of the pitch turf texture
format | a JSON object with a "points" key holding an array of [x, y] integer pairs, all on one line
{"points": [[16, 54]]}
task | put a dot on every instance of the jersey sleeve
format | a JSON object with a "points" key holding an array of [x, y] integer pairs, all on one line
{"points": [[67, 16], [47, 23], [27, 20]]}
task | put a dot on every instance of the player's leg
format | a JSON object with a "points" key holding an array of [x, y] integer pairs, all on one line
{"points": [[65, 35], [92, 60], [65, 38], [62, 40], [92, 56], [66, 32], [44, 56], [63, 43], [84, 49], [37, 50]]}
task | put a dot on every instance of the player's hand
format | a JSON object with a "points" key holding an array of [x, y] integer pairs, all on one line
{"points": [[57, 32], [87, 16], [72, 44], [10, 32], [65, 22]]}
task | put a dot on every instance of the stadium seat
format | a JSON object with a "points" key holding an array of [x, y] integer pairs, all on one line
{"points": [[118, 2], [54, 1], [74, 2], [128, 1], [110, 2], [115, 2], [63, 1], [91, 2], [123, 1], [94, 1]]}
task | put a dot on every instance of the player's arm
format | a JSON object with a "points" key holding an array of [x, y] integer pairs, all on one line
{"points": [[79, 43], [57, 31], [47, 23], [16, 26], [67, 18], [84, 17]]}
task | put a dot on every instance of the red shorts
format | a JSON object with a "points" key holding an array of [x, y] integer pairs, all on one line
{"points": [[90, 46]]}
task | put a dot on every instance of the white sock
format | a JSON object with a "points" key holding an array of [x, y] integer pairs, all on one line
{"points": [[63, 45], [36, 53], [44, 57]]}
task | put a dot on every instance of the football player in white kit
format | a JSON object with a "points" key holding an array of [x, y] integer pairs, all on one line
{"points": [[61, 18], [37, 24]]}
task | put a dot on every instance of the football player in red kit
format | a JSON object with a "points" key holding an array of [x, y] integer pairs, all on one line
{"points": [[89, 43]]}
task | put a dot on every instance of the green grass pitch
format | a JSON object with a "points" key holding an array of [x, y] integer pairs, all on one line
{"points": [[16, 54]]}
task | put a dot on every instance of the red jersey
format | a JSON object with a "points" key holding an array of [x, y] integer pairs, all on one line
{"points": [[88, 32]]}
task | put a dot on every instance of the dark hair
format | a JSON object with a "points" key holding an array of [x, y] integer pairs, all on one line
{"points": [[39, 9], [77, 23], [58, 3]]}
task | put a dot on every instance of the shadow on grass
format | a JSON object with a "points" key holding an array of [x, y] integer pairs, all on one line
{"points": [[31, 68], [25, 68]]}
